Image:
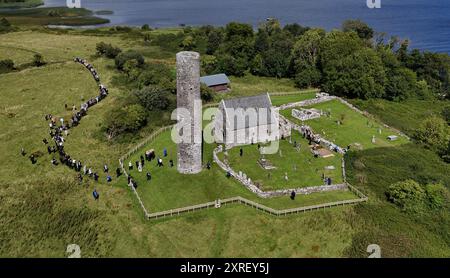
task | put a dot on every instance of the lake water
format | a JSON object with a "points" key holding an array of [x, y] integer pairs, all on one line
{"points": [[425, 22]]}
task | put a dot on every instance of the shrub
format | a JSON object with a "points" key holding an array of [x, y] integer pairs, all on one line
{"points": [[107, 50], [123, 57], [408, 195], [206, 93], [153, 97], [434, 133], [38, 60], [437, 195], [127, 119], [6, 65]]}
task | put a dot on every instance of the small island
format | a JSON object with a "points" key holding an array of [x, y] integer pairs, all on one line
{"points": [[18, 4]]}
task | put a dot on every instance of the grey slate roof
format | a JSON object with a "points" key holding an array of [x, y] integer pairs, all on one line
{"points": [[214, 80], [256, 102]]}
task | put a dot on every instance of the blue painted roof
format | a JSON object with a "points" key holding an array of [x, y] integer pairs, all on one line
{"points": [[214, 80]]}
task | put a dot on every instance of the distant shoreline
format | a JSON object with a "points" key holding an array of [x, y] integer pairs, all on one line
{"points": [[22, 5], [57, 16]]}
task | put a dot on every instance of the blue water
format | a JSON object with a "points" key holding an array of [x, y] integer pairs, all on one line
{"points": [[425, 22]]}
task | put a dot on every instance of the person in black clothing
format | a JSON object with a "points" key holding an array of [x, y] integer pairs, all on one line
{"points": [[22, 152], [171, 163], [208, 165], [95, 177], [149, 176], [118, 173], [33, 159], [241, 152], [293, 195]]}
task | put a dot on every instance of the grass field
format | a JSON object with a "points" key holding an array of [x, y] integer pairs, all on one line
{"points": [[278, 100], [354, 127], [406, 115], [42, 209]]}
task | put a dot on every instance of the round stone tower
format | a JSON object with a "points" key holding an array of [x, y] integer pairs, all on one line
{"points": [[188, 97]]}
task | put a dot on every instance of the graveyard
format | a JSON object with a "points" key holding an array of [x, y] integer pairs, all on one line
{"points": [[169, 189], [344, 126]]}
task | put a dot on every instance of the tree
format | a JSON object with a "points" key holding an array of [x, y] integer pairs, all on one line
{"points": [[434, 133], [305, 58], [38, 60], [358, 75], [145, 27], [131, 69], [123, 57], [361, 28], [401, 84], [188, 43], [295, 29], [214, 40], [155, 74], [107, 50], [126, 119], [206, 93], [231, 65], [271, 26], [236, 30], [152, 98], [262, 42], [408, 195], [307, 77]]}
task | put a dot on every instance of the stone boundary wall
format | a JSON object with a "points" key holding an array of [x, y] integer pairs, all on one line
{"points": [[247, 182]]}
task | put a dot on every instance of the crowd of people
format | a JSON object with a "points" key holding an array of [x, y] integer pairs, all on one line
{"points": [[60, 129]]}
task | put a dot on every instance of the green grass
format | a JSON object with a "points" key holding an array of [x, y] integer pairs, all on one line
{"points": [[406, 115], [278, 100], [399, 234], [308, 171], [355, 128], [168, 189], [253, 85]]}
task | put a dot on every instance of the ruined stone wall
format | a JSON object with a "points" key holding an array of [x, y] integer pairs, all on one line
{"points": [[188, 97]]}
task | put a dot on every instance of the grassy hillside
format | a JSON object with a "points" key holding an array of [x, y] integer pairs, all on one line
{"points": [[398, 233]]}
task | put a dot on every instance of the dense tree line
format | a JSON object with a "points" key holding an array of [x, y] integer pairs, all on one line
{"points": [[355, 62]]}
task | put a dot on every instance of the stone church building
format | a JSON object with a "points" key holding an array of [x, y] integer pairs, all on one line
{"points": [[247, 120]]}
